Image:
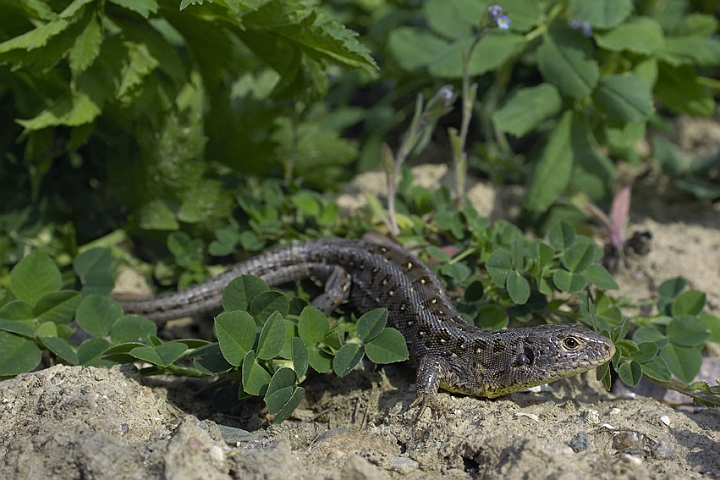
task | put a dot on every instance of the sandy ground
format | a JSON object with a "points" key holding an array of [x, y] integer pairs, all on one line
{"points": [[87, 423]]}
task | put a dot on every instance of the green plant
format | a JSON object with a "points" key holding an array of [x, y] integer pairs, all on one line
{"points": [[699, 176]]}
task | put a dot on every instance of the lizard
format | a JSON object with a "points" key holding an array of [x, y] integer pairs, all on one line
{"points": [[450, 353]]}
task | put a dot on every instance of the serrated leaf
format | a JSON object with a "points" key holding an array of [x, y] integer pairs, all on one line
{"points": [[143, 7], [86, 47], [347, 358], [236, 332], [630, 373], [564, 59], [687, 331], [552, 173], [683, 362], [528, 108], [138, 65], [57, 307], [17, 355], [34, 276], [370, 324], [97, 313], [313, 325], [272, 337], [61, 348], [241, 291], [78, 109], [388, 347]]}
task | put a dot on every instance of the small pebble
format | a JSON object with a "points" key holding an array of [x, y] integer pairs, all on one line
{"points": [[580, 442], [663, 450], [631, 459], [614, 411], [404, 465], [665, 419], [592, 416], [217, 454], [528, 415]]}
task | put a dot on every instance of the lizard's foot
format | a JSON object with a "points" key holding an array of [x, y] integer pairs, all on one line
{"points": [[425, 401]]}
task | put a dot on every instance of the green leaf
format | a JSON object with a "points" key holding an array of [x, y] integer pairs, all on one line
{"points": [[679, 89], [241, 291], [61, 348], [569, 282], [642, 35], [266, 303], [528, 108], [711, 321], [319, 360], [90, 351], [279, 390], [499, 265], [347, 358], [57, 307], [630, 373], [625, 98], [602, 13], [657, 368], [162, 355], [291, 405], [600, 277], [649, 334], [313, 325], [18, 311], [388, 347], [562, 236], [73, 111], [564, 58], [86, 48], [33, 277], [236, 332], [453, 18], [673, 287], [143, 7], [272, 337], [254, 377], [646, 351], [212, 362], [17, 355], [552, 173], [696, 50], [518, 288], [474, 292], [683, 362], [687, 331], [672, 164], [691, 302], [578, 257], [19, 328], [370, 324], [97, 313], [132, 328], [94, 259], [156, 215], [47, 329], [493, 317], [299, 357]]}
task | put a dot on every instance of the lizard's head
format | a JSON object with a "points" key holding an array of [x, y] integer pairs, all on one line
{"points": [[548, 353]]}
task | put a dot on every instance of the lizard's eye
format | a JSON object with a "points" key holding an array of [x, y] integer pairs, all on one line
{"points": [[571, 343]]}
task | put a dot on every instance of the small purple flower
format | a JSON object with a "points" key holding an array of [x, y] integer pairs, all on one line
{"points": [[503, 22], [581, 25], [494, 12]]}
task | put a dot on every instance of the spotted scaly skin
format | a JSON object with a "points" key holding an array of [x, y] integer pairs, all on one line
{"points": [[449, 352]]}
